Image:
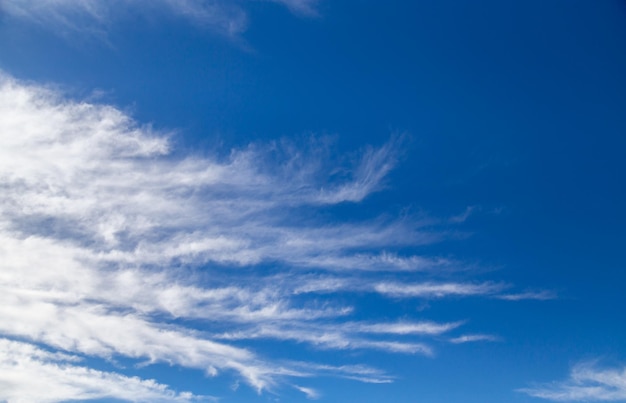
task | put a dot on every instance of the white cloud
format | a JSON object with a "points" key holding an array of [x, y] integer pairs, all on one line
{"points": [[112, 247], [436, 290], [58, 377], [118, 227], [348, 335], [470, 338], [418, 328], [384, 261], [309, 392], [361, 373], [85, 171], [336, 336], [373, 168], [587, 383]]}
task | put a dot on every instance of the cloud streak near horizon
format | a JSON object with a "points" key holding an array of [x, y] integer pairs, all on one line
{"points": [[113, 247]]}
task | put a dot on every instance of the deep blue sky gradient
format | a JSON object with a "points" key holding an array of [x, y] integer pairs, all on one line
{"points": [[517, 108]]}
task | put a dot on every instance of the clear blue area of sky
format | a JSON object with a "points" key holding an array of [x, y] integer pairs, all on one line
{"points": [[517, 108]]}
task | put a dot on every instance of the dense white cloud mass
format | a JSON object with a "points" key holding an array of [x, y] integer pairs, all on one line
{"points": [[587, 383], [110, 247]]}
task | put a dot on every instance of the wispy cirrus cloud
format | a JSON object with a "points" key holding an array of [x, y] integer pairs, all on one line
{"points": [[471, 338], [112, 247], [403, 327], [96, 17], [309, 392], [451, 289], [61, 377], [117, 227], [347, 336], [587, 383], [541, 295], [436, 290]]}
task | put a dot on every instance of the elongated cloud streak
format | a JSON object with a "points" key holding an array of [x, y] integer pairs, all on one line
{"points": [[436, 290], [470, 338], [587, 383], [61, 377]]}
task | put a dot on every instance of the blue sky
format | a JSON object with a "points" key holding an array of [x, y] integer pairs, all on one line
{"points": [[296, 200]]}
